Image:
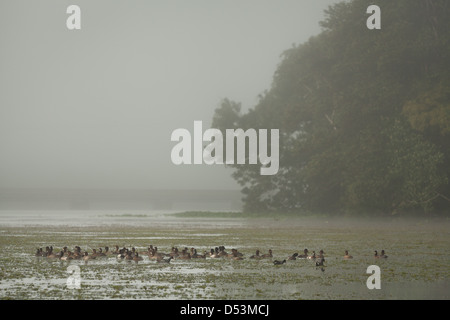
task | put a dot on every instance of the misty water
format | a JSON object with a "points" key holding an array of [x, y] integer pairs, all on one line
{"points": [[417, 266]]}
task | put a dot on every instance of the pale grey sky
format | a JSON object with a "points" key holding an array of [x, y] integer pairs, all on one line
{"points": [[94, 108]]}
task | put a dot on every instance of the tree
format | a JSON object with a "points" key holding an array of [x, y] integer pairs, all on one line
{"points": [[363, 115]]}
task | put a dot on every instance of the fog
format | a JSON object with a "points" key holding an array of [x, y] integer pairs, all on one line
{"points": [[95, 108]]}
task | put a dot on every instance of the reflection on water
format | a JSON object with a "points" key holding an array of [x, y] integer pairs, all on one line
{"points": [[417, 267]]}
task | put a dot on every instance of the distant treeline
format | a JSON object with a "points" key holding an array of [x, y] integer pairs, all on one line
{"points": [[364, 115]]}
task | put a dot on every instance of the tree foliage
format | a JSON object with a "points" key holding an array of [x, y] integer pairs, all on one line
{"points": [[364, 115]]}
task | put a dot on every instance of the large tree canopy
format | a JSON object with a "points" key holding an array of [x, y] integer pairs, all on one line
{"points": [[364, 115]]}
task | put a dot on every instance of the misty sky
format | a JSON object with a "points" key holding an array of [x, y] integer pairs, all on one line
{"points": [[95, 108]]}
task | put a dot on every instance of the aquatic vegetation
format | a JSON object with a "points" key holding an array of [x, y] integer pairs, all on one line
{"points": [[417, 265]]}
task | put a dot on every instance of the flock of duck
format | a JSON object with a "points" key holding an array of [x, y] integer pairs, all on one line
{"points": [[185, 254]]}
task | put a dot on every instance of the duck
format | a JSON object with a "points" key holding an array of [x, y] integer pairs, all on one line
{"points": [[321, 254], [186, 256], [162, 260], [122, 253], [347, 256], [94, 253], [87, 257], [137, 258], [49, 252], [320, 262], [174, 252], [235, 254], [267, 255], [383, 255], [116, 250], [277, 262], [128, 256], [313, 256], [52, 255], [39, 252], [304, 255], [256, 255], [214, 253], [154, 254], [222, 252], [293, 257], [67, 257], [77, 253], [195, 255], [101, 254]]}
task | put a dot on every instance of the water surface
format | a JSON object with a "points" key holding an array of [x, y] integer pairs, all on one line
{"points": [[417, 266]]}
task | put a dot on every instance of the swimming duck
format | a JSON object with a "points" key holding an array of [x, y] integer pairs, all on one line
{"points": [[320, 262], [52, 255], [137, 258], [293, 257], [94, 253], [77, 253], [347, 256], [195, 255], [39, 253], [304, 255], [383, 255], [256, 255], [222, 252], [101, 254], [116, 250], [186, 256], [128, 256], [313, 256], [214, 253], [174, 252], [321, 254], [235, 254], [67, 257], [154, 254], [122, 253], [49, 252], [277, 262], [164, 260], [87, 257], [267, 255]]}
